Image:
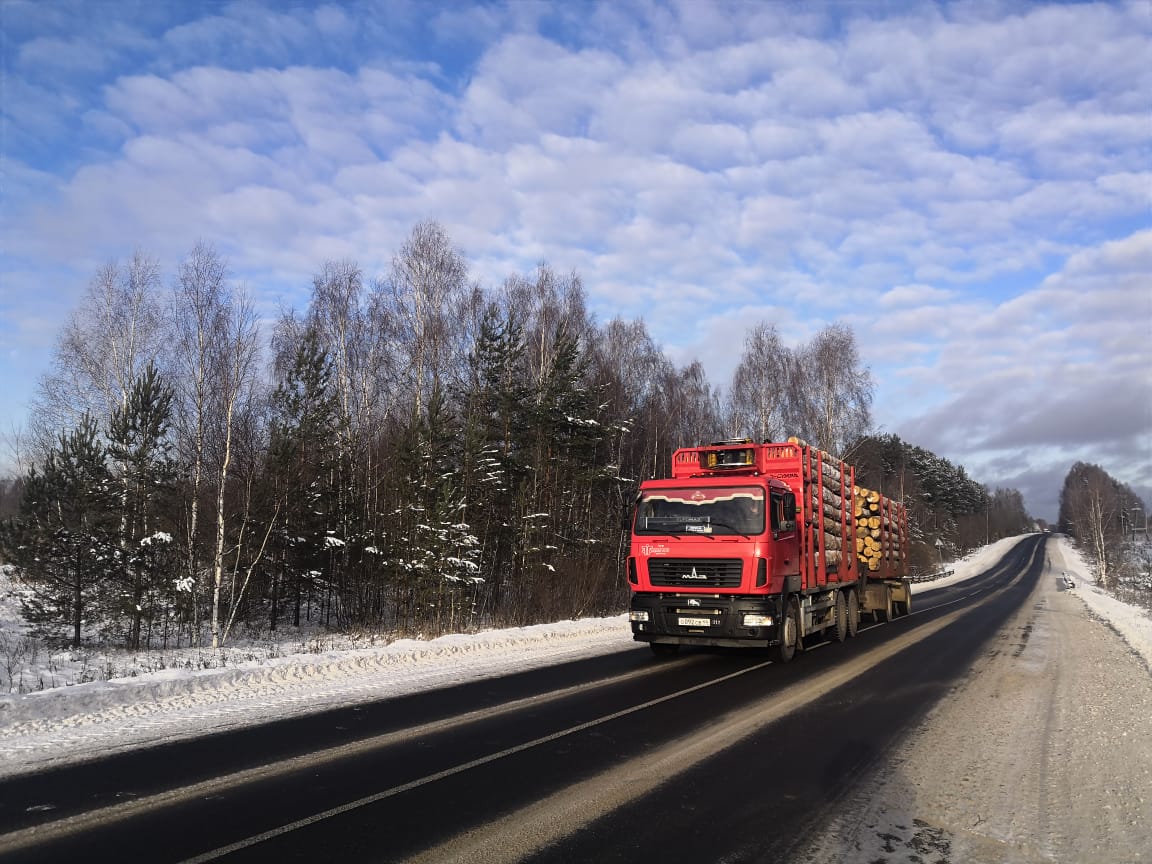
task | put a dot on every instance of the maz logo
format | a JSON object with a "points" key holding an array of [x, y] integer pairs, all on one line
{"points": [[693, 575]]}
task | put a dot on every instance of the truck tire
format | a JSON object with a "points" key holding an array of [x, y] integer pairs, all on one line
{"points": [[841, 617], [785, 649], [903, 607], [884, 614], [853, 612], [664, 649]]}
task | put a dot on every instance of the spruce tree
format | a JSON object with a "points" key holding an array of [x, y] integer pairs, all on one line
{"points": [[302, 462], [497, 428], [140, 448], [64, 541]]}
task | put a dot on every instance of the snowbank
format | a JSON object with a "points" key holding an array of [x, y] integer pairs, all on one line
{"points": [[1131, 622], [96, 718], [971, 565]]}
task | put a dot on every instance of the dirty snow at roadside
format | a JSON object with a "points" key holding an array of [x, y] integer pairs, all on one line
{"points": [[1131, 622], [264, 681], [1038, 753], [970, 565]]}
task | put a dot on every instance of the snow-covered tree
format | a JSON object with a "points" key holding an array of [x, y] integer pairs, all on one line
{"points": [[64, 541], [1097, 510], [139, 448], [303, 464]]}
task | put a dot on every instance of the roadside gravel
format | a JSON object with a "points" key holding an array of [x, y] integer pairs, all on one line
{"points": [[1042, 754]]}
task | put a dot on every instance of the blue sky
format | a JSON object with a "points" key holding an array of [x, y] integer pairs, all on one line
{"points": [[967, 185]]}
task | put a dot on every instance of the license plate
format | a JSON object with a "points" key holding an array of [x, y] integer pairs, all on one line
{"points": [[695, 622]]}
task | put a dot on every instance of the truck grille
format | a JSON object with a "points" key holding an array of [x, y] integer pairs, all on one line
{"points": [[689, 573]]}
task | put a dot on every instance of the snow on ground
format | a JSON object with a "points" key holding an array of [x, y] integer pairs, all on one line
{"points": [[163, 696], [95, 718], [1131, 622], [972, 564]]}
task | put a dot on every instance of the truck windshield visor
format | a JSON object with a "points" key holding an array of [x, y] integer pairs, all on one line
{"points": [[706, 510]]}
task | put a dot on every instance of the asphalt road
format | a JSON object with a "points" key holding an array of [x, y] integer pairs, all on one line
{"points": [[711, 756]]}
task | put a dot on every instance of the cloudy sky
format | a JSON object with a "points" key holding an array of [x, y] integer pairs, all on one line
{"points": [[968, 185]]}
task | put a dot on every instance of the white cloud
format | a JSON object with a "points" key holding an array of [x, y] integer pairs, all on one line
{"points": [[72, 56], [918, 175], [480, 24], [332, 21], [256, 33], [910, 296], [711, 145], [527, 86], [1054, 374]]}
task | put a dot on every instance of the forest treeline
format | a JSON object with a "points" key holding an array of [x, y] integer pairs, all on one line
{"points": [[411, 453], [1109, 523]]}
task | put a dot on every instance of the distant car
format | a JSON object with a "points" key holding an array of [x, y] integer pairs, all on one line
{"points": [[1068, 583]]}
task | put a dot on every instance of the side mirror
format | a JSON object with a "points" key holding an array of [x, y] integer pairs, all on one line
{"points": [[790, 507]]}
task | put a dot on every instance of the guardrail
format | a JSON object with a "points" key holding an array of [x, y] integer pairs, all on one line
{"points": [[931, 577]]}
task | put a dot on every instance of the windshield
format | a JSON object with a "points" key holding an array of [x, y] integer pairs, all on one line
{"points": [[710, 510]]}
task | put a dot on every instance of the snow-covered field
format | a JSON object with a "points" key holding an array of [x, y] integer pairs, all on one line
{"points": [[155, 697]]}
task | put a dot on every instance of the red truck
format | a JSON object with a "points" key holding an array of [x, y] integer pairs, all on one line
{"points": [[760, 545]]}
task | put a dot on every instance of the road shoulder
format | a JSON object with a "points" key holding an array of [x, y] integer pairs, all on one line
{"points": [[1042, 754]]}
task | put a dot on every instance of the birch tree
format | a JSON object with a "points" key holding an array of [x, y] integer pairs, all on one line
{"points": [[113, 333], [832, 391], [235, 366], [428, 285], [215, 352], [1095, 508], [197, 320], [761, 399]]}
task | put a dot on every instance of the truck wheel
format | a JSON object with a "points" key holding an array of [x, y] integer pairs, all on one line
{"points": [[841, 617], [903, 607], [789, 634], [884, 614], [663, 649], [853, 613]]}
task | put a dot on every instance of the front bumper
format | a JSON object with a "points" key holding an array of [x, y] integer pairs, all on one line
{"points": [[712, 620]]}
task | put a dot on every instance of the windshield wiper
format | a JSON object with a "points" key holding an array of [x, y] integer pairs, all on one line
{"points": [[687, 530], [732, 528]]}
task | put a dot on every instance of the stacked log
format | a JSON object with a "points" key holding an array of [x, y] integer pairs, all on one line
{"points": [[877, 530], [828, 498]]}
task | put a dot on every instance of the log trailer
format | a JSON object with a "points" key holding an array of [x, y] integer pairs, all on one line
{"points": [[760, 545]]}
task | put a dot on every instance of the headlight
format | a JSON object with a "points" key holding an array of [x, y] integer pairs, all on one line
{"points": [[757, 620], [637, 616]]}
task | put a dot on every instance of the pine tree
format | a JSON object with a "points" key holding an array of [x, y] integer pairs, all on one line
{"points": [[435, 553], [303, 456], [140, 448], [497, 423], [565, 439], [64, 541]]}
